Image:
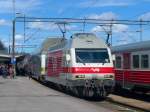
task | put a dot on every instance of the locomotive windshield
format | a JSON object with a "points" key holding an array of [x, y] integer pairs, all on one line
{"points": [[92, 56]]}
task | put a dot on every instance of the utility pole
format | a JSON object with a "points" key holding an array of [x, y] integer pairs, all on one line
{"points": [[13, 60]]}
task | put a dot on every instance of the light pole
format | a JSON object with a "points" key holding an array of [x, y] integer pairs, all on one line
{"points": [[13, 59]]}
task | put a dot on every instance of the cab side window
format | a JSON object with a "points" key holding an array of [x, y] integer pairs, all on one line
{"points": [[135, 60], [118, 62], [144, 61]]}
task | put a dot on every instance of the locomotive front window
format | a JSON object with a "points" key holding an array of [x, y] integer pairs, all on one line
{"points": [[92, 56]]}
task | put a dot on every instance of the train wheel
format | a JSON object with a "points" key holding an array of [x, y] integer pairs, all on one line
{"points": [[88, 92], [80, 91], [68, 90], [84, 92]]}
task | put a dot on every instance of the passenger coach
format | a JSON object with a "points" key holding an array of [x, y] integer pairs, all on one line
{"points": [[132, 66]]}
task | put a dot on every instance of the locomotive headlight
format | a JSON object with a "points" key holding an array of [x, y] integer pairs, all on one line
{"points": [[80, 76], [108, 76]]}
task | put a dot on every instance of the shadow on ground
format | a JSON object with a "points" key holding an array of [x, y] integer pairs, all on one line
{"points": [[53, 86]]}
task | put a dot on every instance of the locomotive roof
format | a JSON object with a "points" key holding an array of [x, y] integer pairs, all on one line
{"points": [[49, 42], [78, 40], [144, 45], [86, 40]]}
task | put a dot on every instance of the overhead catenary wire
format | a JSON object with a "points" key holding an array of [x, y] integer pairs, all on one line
{"points": [[84, 21], [29, 37], [78, 20]]}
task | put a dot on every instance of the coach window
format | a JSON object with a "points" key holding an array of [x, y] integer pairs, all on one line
{"points": [[144, 61], [118, 62], [135, 61]]}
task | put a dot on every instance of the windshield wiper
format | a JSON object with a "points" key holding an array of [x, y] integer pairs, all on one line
{"points": [[80, 60], [104, 61]]}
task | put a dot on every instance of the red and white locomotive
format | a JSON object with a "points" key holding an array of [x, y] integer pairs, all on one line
{"points": [[132, 66], [82, 64]]}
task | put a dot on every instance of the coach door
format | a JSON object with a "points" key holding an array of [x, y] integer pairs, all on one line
{"points": [[126, 67]]}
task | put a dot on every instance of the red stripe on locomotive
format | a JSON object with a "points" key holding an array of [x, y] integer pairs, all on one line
{"points": [[88, 70]]}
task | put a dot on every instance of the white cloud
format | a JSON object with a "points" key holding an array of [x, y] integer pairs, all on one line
{"points": [[42, 25], [108, 16], [145, 16], [102, 3], [103, 16], [19, 37], [36, 25], [48, 26], [125, 38], [97, 29], [116, 28], [4, 22], [6, 6]]}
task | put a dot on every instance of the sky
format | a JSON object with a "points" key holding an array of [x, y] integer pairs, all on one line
{"points": [[36, 32]]}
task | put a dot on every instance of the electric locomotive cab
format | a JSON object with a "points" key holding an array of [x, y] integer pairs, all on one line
{"points": [[91, 64], [91, 56]]}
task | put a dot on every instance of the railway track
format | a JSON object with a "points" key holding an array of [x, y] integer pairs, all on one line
{"points": [[116, 102]]}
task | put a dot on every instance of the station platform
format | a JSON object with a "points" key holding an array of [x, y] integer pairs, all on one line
{"points": [[142, 105], [24, 95]]}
